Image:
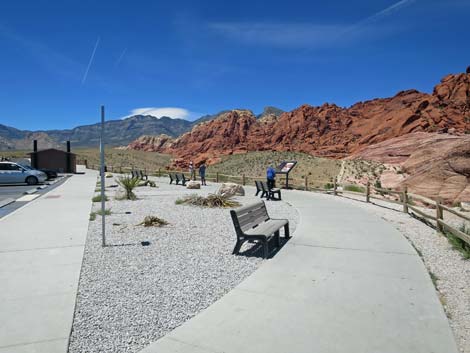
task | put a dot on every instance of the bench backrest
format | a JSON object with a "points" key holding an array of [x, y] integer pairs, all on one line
{"points": [[264, 186], [258, 186], [247, 217]]}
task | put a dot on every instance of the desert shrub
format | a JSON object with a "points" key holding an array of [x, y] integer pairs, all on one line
{"points": [[153, 221], [128, 183], [329, 186], [354, 188], [93, 215], [97, 198], [458, 244], [378, 184], [212, 200]]}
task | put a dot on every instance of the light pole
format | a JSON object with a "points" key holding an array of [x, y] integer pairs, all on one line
{"points": [[103, 205]]}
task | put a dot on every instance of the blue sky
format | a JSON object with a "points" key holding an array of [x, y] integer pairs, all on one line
{"points": [[61, 60]]}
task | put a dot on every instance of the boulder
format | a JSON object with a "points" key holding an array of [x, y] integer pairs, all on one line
{"points": [[108, 175], [193, 184], [231, 189]]}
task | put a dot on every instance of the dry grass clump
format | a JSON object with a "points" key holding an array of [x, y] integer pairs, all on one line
{"points": [[212, 200], [153, 221]]}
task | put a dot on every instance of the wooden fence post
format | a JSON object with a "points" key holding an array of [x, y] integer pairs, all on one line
{"points": [[159, 172], [335, 188], [439, 215], [368, 192], [86, 164], [405, 199], [217, 177], [306, 183], [243, 179]]}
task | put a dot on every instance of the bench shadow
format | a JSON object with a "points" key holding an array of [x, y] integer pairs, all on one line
{"points": [[256, 248]]}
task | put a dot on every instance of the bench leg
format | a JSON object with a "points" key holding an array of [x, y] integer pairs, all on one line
{"points": [[237, 247], [278, 240], [286, 231], [266, 249], [257, 192]]}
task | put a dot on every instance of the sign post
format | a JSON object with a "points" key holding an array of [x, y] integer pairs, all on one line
{"points": [[285, 168], [103, 205]]}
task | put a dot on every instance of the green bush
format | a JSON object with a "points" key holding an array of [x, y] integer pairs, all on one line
{"points": [[128, 183], [97, 198], [458, 244], [329, 186], [354, 188], [93, 215]]}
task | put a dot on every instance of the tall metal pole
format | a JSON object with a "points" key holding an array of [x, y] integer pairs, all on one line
{"points": [[103, 205]]}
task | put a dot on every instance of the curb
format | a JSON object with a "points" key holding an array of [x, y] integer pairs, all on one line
{"points": [[6, 202], [30, 192]]}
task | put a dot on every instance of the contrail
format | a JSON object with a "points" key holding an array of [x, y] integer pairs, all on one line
{"points": [[118, 61], [379, 15], [389, 10], [91, 61]]}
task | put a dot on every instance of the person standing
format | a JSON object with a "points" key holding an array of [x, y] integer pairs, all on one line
{"points": [[202, 173], [271, 176], [192, 173]]}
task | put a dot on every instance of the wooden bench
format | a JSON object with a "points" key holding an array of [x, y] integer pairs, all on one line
{"points": [[142, 175], [252, 222], [258, 188], [270, 193], [180, 178]]}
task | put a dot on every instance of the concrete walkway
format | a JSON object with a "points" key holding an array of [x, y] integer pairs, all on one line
{"points": [[41, 250], [347, 282]]}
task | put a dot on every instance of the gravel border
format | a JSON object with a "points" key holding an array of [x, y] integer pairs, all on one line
{"points": [[130, 295], [451, 271]]}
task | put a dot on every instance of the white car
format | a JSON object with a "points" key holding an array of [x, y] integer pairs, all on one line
{"points": [[14, 173]]}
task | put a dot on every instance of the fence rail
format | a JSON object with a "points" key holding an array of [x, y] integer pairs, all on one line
{"points": [[405, 199]]}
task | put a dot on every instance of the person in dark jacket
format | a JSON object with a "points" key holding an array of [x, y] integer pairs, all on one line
{"points": [[202, 173], [271, 176]]}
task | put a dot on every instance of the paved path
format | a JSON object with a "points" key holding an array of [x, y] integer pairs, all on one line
{"points": [[347, 282], [41, 249]]}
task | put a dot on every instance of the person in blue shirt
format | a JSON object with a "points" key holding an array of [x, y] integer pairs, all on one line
{"points": [[271, 176]]}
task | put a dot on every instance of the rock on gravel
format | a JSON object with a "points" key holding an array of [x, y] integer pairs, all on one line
{"points": [[130, 295]]}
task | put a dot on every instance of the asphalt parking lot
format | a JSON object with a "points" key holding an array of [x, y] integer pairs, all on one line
{"points": [[13, 197]]}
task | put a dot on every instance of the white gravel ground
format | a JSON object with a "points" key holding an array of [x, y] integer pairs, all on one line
{"points": [[451, 270], [130, 295]]}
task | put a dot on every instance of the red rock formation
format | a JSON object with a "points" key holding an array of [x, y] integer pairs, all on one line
{"points": [[436, 165], [328, 130]]}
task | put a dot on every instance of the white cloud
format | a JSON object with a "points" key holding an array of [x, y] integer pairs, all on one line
{"points": [[171, 112]]}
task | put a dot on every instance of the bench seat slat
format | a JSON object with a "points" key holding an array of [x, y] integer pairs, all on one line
{"points": [[267, 228]]}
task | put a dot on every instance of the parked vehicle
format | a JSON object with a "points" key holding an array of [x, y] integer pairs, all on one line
{"points": [[51, 174], [14, 173]]}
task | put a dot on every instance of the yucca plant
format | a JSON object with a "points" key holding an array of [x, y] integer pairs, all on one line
{"points": [[212, 200], [153, 221], [128, 183]]}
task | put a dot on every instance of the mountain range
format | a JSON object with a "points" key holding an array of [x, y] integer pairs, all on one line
{"points": [[118, 132]]}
